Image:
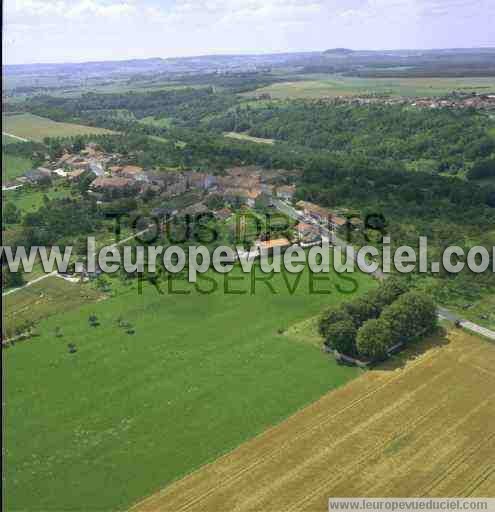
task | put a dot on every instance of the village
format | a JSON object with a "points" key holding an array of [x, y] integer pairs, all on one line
{"points": [[454, 100], [108, 177]]}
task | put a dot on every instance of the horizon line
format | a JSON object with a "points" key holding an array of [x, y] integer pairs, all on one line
{"points": [[248, 54]]}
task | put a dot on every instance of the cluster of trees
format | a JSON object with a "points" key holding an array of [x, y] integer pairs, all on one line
{"points": [[57, 220], [10, 214], [187, 106], [369, 326], [11, 279], [449, 137]]}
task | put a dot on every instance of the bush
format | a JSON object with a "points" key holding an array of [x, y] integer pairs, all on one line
{"points": [[412, 316], [374, 339], [330, 317], [361, 310], [388, 292], [341, 336]]}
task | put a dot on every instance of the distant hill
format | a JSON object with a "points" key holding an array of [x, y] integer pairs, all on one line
{"points": [[339, 51]]}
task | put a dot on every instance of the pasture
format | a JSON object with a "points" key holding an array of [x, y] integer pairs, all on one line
{"points": [[36, 128], [29, 199], [163, 122], [330, 86], [14, 166], [202, 372], [419, 426], [44, 299]]}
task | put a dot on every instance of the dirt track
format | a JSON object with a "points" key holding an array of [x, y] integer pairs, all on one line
{"points": [[423, 429]]}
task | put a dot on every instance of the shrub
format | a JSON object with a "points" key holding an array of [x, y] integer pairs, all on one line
{"points": [[341, 336], [412, 316], [361, 310], [331, 316], [374, 339], [388, 292]]}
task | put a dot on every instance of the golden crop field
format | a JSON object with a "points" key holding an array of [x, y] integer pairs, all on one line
{"points": [[421, 425], [31, 127]]}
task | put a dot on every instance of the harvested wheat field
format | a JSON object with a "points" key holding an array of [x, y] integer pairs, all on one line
{"points": [[420, 426]]}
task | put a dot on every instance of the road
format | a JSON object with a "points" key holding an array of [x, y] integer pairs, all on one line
{"points": [[443, 313], [22, 139]]}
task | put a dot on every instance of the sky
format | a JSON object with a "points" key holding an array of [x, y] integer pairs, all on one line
{"points": [[87, 30]]}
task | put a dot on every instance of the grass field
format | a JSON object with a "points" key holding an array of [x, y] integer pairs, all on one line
{"points": [[322, 86], [28, 200], [127, 414], [44, 299], [163, 122], [248, 138], [37, 128], [14, 166], [421, 426]]}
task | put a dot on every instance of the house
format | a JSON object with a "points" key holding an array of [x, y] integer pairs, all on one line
{"points": [[336, 222], [111, 184], [63, 159], [201, 181], [131, 171], [240, 172], [286, 192], [76, 175], [268, 246], [60, 172], [195, 209], [246, 197], [96, 168], [115, 169], [76, 162], [314, 211], [175, 186], [307, 232]]}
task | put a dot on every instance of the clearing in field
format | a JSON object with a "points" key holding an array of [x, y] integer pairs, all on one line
{"points": [[325, 86], [163, 385], [36, 128], [247, 138], [422, 427]]}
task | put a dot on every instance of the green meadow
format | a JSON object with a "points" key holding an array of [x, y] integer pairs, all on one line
{"points": [[14, 166], [323, 86], [37, 128], [164, 384]]}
